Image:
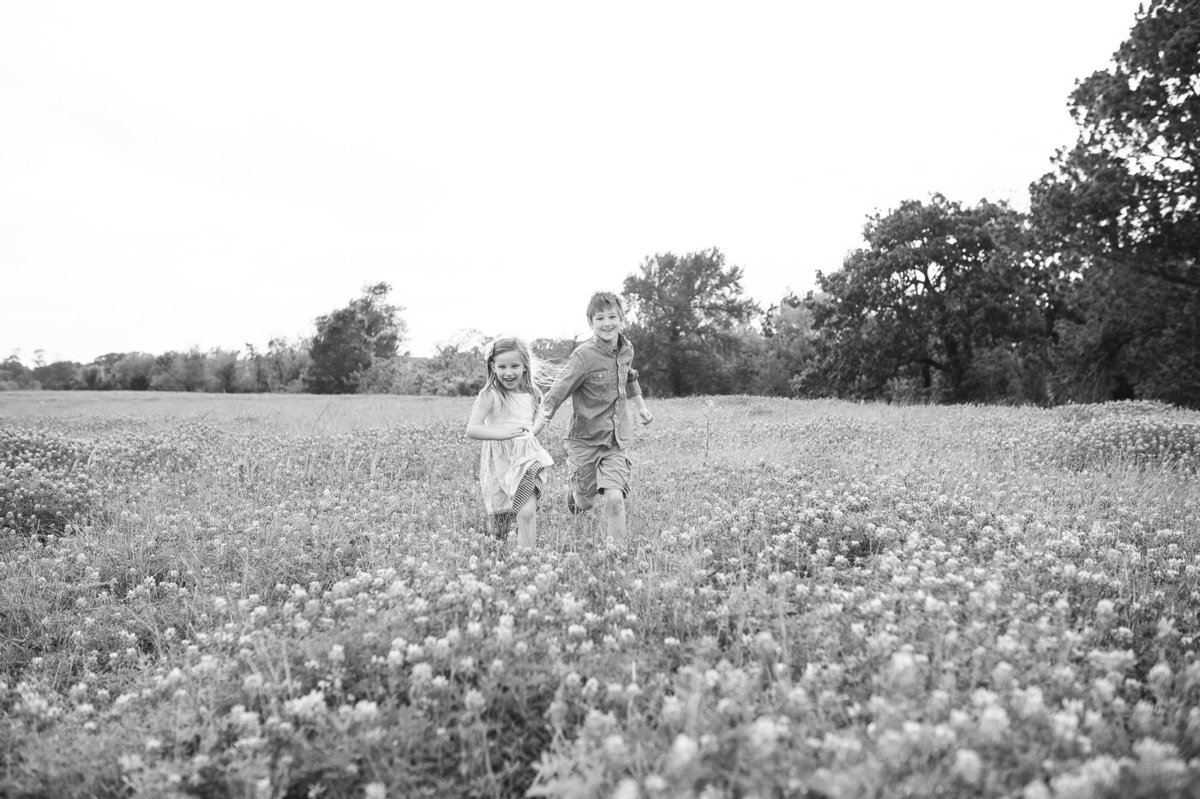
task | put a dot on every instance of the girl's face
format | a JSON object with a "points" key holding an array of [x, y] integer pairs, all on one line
{"points": [[509, 368]]}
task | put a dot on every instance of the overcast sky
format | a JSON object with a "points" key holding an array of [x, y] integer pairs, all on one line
{"points": [[215, 173]]}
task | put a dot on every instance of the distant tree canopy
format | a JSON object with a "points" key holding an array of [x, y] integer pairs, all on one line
{"points": [[1093, 295], [349, 340], [684, 313], [1120, 215], [940, 298]]}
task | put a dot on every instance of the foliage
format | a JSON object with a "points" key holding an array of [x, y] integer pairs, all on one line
{"points": [[865, 601], [44, 486], [14, 375], [349, 340], [938, 289], [58, 376], [1137, 432], [683, 311], [788, 346], [554, 350], [1121, 212]]}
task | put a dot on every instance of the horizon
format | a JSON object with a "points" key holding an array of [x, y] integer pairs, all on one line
{"points": [[221, 176]]}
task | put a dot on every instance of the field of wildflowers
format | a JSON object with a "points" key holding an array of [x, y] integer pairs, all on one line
{"points": [[293, 597]]}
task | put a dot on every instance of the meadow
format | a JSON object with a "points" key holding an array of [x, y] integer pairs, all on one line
{"points": [[293, 596]]}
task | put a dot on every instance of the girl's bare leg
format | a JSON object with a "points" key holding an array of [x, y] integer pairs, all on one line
{"points": [[527, 524]]}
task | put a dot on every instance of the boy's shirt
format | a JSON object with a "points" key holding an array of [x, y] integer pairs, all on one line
{"points": [[599, 380]]}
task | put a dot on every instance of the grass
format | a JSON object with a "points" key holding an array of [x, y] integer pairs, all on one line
{"points": [[290, 596]]}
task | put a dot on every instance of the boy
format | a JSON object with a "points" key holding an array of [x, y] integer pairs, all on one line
{"points": [[600, 382]]}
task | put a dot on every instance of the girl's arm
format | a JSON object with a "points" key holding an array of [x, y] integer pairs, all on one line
{"points": [[479, 431]]}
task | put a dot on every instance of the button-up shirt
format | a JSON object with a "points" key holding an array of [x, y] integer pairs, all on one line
{"points": [[599, 379]]}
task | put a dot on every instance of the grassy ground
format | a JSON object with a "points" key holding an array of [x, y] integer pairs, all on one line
{"points": [[290, 596]]}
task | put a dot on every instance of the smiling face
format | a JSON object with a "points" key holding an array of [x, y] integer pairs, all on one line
{"points": [[607, 324], [509, 368]]}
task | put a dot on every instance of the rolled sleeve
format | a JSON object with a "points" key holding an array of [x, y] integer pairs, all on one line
{"points": [[632, 387]]}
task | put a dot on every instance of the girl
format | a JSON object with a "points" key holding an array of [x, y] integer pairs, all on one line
{"points": [[512, 464]]}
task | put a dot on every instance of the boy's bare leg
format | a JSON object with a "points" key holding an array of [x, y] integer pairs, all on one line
{"points": [[614, 514], [582, 503], [527, 524]]}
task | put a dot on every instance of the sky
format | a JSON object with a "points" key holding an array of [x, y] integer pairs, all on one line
{"points": [[217, 174]]}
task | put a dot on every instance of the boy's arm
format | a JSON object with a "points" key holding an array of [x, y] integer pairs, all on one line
{"points": [[569, 380], [633, 390]]}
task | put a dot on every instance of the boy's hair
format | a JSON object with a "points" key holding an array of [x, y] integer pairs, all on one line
{"points": [[602, 301]]}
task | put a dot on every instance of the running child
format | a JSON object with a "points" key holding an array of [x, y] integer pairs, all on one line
{"points": [[600, 380], [512, 464]]}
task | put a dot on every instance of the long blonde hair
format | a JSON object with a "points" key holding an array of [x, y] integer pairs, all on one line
{"points": [[539, 374]]}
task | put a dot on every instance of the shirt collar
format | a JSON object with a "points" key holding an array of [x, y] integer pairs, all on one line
{"points": [[616, 347]]}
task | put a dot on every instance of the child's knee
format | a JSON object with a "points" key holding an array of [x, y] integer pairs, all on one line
{"points": [[614, 500]]}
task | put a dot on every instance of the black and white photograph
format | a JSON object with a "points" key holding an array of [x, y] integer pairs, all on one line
{"points": [[640, 400]]}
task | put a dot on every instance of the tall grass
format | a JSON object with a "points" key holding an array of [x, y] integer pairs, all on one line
{"points": [[294, 596]]}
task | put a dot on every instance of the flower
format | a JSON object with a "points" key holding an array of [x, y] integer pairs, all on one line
{"points": [[993, 723], [683, 751], [968, 766]]}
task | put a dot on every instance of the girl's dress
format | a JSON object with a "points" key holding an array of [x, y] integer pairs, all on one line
{"points": [[511, 472]]}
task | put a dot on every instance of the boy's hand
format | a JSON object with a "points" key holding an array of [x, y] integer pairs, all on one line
{"points": [[645, 414]]}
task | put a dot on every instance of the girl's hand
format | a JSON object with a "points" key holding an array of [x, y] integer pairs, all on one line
{"points": [[512, 429]]}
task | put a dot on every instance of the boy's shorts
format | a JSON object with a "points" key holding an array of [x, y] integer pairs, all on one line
{"points": [[595, 467]]}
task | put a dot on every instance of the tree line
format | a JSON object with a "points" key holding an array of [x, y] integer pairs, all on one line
{"points": [[1093, 294]]}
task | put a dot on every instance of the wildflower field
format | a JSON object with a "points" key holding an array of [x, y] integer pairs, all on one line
{"points": [[291, 596]]}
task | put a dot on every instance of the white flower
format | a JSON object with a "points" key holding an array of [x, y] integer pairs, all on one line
{"points": [[993, 723], [968, 766], [764, 734], [672, 710], [626, 789], [306, 706], [902, 670], [614, 746], [365, 711], [683, 752], [474, 700], [1160, 677]]}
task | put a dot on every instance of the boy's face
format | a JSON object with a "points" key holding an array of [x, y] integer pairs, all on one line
{"points": [[607, 323]]}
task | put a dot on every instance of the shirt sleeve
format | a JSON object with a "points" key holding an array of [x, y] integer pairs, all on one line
{"points": [[564, 386], [632, 387]]}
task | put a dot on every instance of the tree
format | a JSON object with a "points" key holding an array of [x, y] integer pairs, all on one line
{"points": [[783, 349], [14, 375], [1120, 214], [257, 374], [937, 287], [134, 371], [555, 350], [223, 370], [350, 339], [288, 363], [683, 316], [59, 376]]}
